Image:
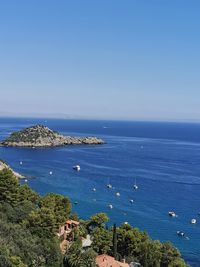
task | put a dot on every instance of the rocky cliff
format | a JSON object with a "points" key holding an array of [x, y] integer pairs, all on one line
{"points": [[42, 136]]}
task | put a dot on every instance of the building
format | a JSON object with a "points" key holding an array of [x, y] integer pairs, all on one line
{"points": [[108, 261], [86, 242], [67, 228]]}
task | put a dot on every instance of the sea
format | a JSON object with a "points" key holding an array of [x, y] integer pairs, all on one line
{"points": [[162, 158]]}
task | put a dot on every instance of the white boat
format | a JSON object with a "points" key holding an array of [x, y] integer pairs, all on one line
{"points": [[135, 185], [172, 214], [20, 162], [94, 189], [180, 233], [50, 172], [110, 206], [25, 180], [118, 194], [76, 168], [193, 221], [109, 186], [131, 200]]}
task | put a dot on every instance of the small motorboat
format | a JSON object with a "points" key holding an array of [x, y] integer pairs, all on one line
{"points": [[118, 194], [131, 200], [50, 172], [25, 180], [135, 187], [180, 233], [193, 221], [76, 202], [109, 185], [94, 189], [20, 162], [76, 168], [172, 214], [110, 206], [125, 222]]}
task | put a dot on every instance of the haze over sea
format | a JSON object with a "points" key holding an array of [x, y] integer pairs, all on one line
{"points": [[163, 157]]}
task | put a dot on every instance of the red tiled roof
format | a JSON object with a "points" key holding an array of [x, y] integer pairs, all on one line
{"points": [[72, 222], [108, 261]]}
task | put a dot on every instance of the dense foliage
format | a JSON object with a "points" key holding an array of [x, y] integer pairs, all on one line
{"points": [[126, 242], [29, 222]]}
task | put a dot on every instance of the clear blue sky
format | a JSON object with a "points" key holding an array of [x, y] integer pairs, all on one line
{"points": [[113, 59]]}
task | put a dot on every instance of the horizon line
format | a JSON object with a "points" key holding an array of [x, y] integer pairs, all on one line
{"points": [[70, 117]]}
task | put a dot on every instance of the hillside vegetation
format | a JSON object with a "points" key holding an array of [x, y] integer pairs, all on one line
{"points": [[29, 223]]}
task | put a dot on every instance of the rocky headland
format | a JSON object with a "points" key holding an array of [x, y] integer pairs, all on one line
{"points": [[42, 136], [4, 165]]}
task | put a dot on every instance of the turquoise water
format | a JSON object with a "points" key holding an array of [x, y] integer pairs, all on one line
{"points": [[163, 157]]}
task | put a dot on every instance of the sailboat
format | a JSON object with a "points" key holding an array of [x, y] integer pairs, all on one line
{"points": [[135, 185]]}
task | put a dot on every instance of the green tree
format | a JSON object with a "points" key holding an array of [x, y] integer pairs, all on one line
{"points": [[88, 258], [17, 262], [114, 241], [9, 187], [102, 241], [25, 193], [4, 257], [178, 263], [59, 205], [76, 257], [41, 222], [169, 254], [99, 219], [150, 255]]}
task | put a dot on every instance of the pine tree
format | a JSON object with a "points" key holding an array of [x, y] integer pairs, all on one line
{"points": [[9, 187], [114, 241]]}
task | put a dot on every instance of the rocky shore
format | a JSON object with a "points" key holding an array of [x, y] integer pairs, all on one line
{"points": [[4, 165], [42, 136]]}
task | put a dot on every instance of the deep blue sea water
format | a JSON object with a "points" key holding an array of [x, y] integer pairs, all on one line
{"points": [[163, 157]]}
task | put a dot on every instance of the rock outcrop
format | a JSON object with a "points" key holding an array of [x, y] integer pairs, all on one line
{"points": [[42, 136], [4, 165]]}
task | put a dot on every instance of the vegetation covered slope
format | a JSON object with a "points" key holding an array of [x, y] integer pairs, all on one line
{"points": [[29, 222]]}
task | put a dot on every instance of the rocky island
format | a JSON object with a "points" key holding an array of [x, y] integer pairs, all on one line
{"points": [[42, 136]]}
